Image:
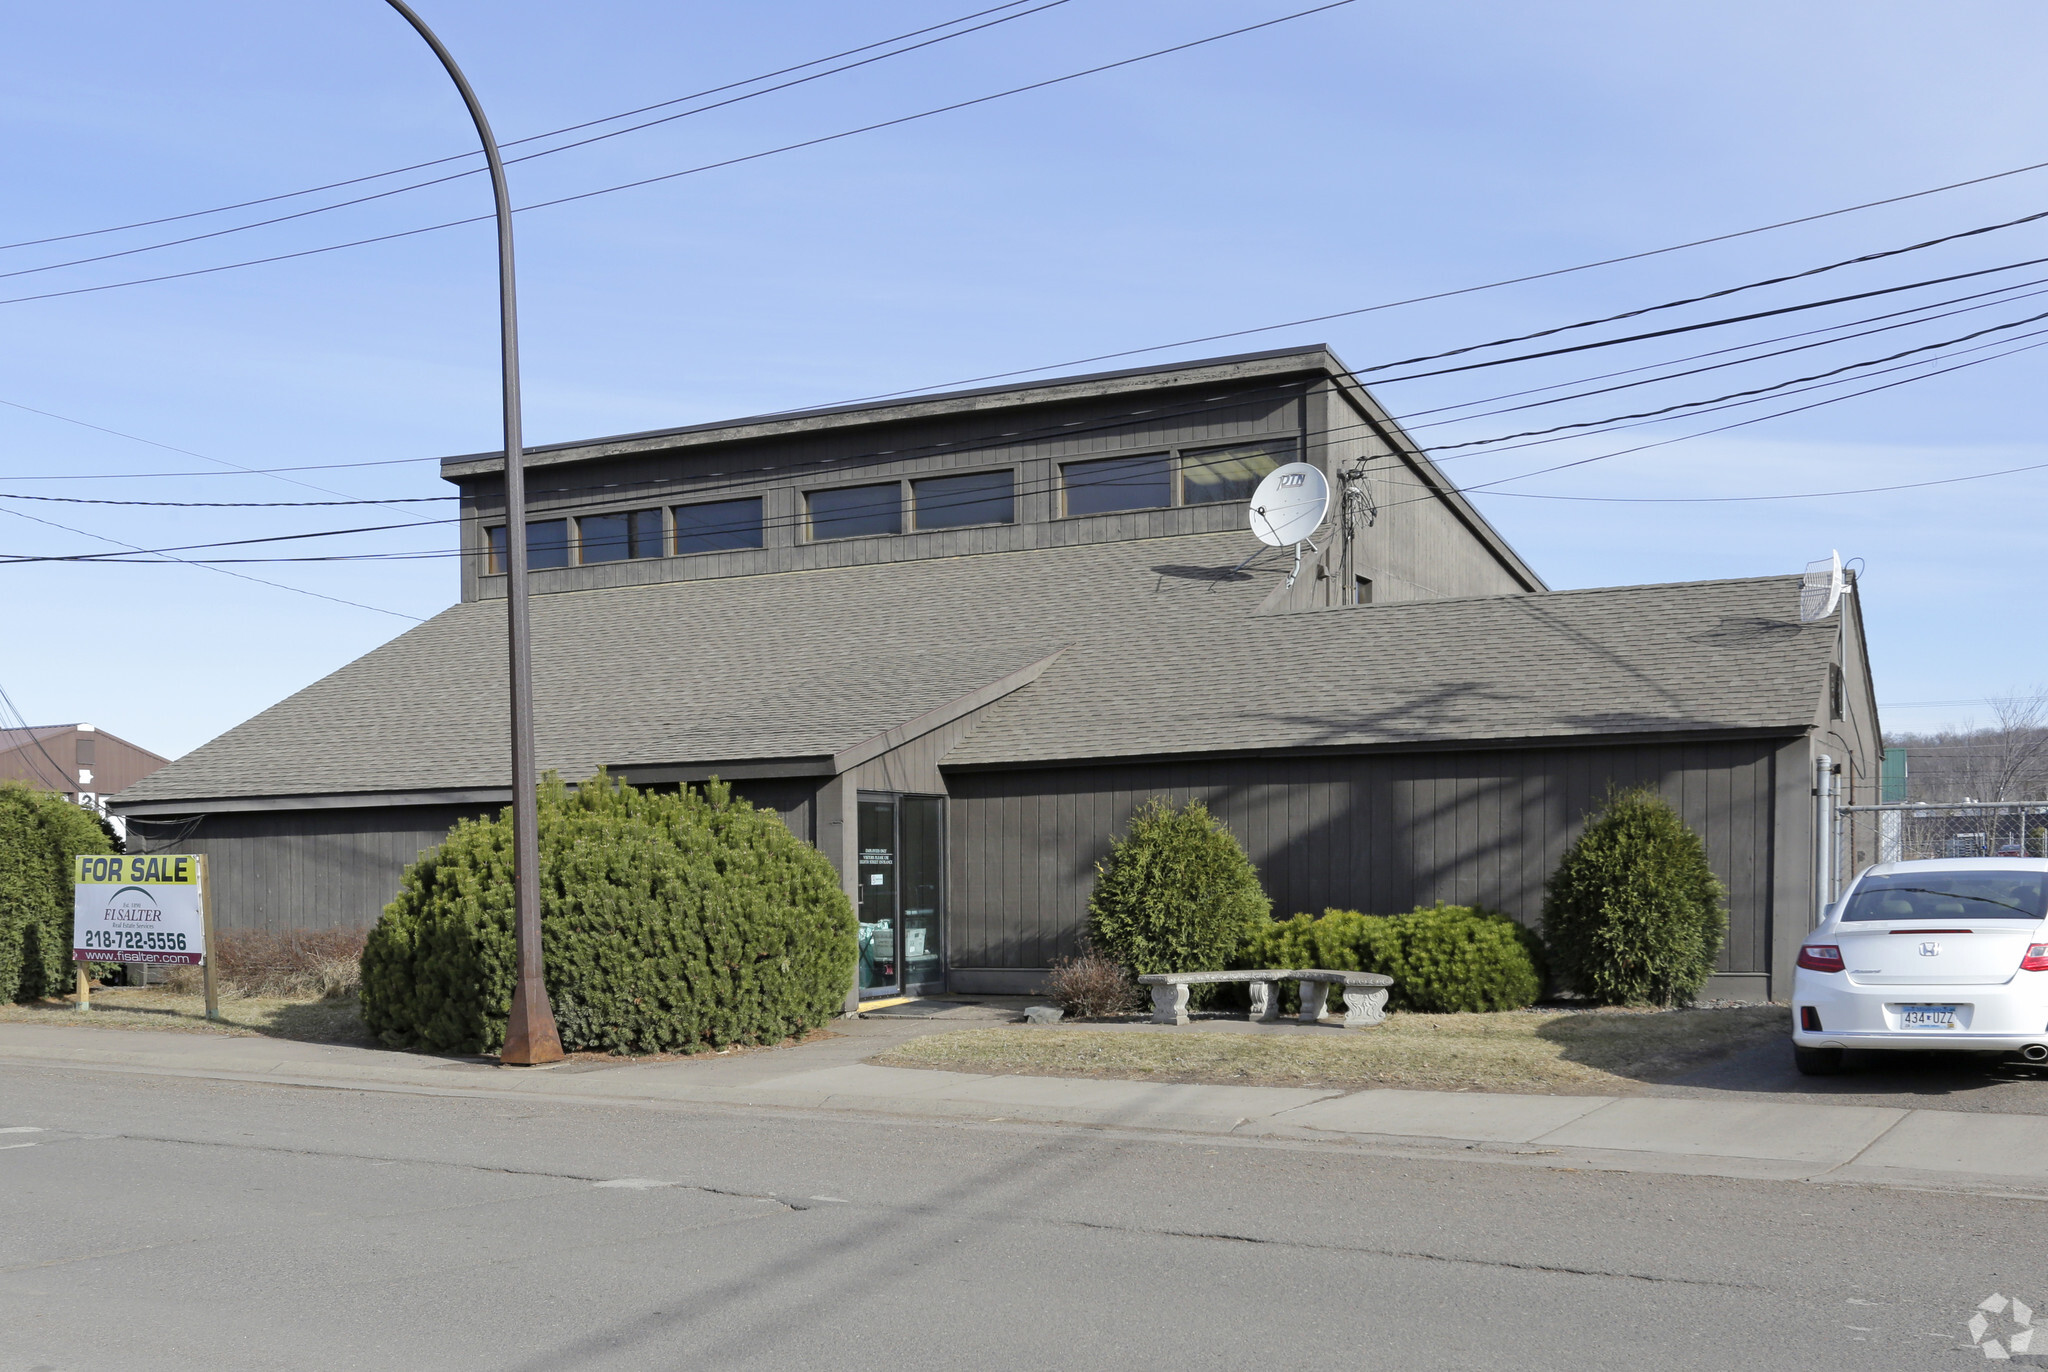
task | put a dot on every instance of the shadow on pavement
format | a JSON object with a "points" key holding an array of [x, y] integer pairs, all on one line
{"points": [[1911, 1081]]}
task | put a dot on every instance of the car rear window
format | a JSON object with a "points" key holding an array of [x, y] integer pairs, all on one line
{"points": [[1950, 895]]}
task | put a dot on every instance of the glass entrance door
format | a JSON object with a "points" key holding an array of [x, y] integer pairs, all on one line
{"points": [[901, 910], [880, 972], [917, 821]]}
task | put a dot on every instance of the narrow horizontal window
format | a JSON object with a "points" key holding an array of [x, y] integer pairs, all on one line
{"points": [[718, 526], [547, 545], [616, 537], [1211, 475], [1117, 483], [947, 502], [852, 511]]}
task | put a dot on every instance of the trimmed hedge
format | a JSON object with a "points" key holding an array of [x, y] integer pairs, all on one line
{"points": [[669, 923], [1633, 914], [1443, 958], [40, 835], [1175, 894]]}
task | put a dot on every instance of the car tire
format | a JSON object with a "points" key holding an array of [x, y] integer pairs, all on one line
{"points": [[1817, 1062]]}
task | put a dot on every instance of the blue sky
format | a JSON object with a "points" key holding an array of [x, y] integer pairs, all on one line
{"points": [[1362, 155]]}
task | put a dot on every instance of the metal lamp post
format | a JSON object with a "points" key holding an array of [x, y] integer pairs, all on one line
{"points": [[530, 1035]]}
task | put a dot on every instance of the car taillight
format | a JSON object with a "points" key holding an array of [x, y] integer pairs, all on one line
{"points": [[2036, 959], [1821, 957]]}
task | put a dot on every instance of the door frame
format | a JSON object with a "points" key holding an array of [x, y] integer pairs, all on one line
{"points": [[902, 987]]}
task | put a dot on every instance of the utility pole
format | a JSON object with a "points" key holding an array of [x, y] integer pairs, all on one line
{"points": [[531, 1039], [1355, 505]]}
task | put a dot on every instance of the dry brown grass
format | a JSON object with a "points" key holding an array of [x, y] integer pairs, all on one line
{"points": [[312, 1020], [297, 964], [1516, 1050]]}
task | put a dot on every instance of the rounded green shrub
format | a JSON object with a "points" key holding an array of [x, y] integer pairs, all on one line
{"points": [[1443, 958], [1633, 914], [1175, 894], [669, 923], [41, 834]]}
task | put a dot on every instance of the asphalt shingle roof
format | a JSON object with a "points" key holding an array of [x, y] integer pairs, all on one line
{"points": [[1163, 655]]}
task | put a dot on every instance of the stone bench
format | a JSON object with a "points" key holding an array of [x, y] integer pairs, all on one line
{"points": [[1365, 993]]}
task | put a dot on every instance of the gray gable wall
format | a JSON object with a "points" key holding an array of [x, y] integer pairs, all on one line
{"points": [[1419, 548]]}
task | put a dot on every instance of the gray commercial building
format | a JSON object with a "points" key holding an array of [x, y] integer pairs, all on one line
{"points": [[956, 640]]}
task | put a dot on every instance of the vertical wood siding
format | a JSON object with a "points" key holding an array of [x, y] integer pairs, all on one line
{"points": [[315, 869], [1381, 834], [338, 869]]}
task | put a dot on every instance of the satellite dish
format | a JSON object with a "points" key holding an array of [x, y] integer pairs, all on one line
{"points": [[1820, 590], [1290, 504]]}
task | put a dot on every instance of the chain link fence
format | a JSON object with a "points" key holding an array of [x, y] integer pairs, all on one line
{"points": [[1903, 833]]}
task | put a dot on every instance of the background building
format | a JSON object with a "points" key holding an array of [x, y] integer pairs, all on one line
{"points": [[956, 640], [85, 764]]}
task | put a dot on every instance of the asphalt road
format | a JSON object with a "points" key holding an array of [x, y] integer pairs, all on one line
{"points": [[165, 1222]]}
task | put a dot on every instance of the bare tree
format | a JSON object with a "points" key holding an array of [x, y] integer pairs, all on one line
{"points": [[2007, 760]]}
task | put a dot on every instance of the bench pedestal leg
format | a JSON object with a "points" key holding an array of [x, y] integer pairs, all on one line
{"points": [[1170, 1005], [1265, 1002], [1315, 999], [1364, 1008]]}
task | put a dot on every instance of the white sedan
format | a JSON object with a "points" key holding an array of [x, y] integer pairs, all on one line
{"points": [[1950, 953]]}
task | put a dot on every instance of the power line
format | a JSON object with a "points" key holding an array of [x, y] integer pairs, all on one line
{"points": [[1598, 344], [1440, 295], [515, 142], [1228, 400], [1719, 294], [528, 157], [1755, 419], [1753, 391], [203, 457], [688, 171], [1742, 404], [1435, 495], [209, 566], [229, 504], [1722, 322], [2007, 292], [986, 442], [62, 783], [1792, 495]]}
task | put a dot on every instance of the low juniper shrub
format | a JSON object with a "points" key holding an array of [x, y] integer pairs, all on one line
{"points": [[1443, 958], [669, 923], [1176, 893], [1633, 914]]}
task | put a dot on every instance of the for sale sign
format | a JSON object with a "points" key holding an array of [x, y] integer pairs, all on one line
{"points": [[138, 909]]}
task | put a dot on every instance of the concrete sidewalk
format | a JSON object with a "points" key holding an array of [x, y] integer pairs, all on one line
{"points": [[1710, 1137]]}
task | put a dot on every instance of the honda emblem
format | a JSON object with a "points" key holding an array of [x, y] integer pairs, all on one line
{"points": [[1930, 949]]}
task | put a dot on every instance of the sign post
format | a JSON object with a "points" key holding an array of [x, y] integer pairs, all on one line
{"points": [[152, 909], [206, 936]]}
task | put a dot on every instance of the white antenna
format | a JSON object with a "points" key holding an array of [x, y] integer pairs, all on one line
{"points": [[1820, 590], [1290, 504]]}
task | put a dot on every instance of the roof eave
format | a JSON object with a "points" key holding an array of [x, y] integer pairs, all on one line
{"points": [[1280, 362], [1712, 734]]}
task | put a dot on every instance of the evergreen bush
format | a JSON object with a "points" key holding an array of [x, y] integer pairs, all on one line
{"points": [[669, 923], [41, 834], [1175, 894], [1633, 914], [1443, 958]]}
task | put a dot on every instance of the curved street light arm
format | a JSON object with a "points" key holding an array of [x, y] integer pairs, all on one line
{"points": [[530, 1035]]}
